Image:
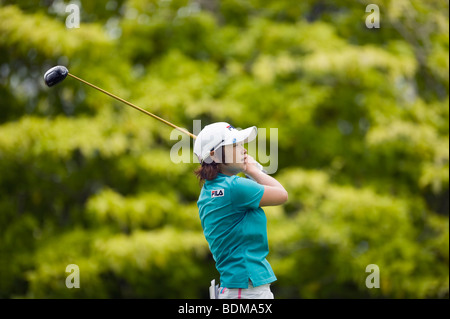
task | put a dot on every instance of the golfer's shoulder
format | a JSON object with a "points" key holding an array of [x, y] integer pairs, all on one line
{"points": [[241, 183], [235, 180]]}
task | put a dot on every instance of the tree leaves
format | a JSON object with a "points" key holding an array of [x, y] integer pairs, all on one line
{"points": [[362, 119]]}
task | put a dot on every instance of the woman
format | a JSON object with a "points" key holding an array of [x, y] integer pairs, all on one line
{"points": [[232, 219]]}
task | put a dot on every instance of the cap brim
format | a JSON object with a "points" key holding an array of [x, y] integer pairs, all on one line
{"points": [[246, 136]]}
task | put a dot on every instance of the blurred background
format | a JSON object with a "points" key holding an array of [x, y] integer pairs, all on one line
{"points": [[363, 143]]}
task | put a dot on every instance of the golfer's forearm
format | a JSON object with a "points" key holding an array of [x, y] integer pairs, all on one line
{"points": [[264, 179]]}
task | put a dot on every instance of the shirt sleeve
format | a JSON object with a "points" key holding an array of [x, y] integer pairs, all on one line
{"points": [[246, 194]]}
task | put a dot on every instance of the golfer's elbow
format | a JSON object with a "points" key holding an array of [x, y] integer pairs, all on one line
{"points": [[273, 196], [284, 197]]}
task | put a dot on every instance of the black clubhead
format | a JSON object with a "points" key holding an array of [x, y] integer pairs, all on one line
{"points": [[55, 75]]}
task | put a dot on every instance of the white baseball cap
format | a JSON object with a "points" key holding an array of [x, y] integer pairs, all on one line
{"points": [[219, 134]]}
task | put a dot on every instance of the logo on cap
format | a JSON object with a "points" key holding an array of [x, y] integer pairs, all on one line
{"points": [[230, 127]]}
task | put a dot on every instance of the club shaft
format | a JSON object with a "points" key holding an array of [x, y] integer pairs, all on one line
{"points": [[134, 106]]}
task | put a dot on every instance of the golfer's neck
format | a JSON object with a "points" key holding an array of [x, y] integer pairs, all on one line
{"points": [[228, 170]]}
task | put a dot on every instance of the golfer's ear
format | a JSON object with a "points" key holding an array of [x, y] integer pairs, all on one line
{"points": [[273, 196], [212, 155]]}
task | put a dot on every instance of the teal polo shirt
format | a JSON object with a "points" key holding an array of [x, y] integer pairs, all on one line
{"points": [[235, 228]]}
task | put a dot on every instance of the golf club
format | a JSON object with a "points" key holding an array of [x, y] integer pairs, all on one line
{"points": [[59, 73]]}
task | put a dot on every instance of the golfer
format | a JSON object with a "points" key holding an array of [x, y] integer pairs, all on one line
{"points": [[233, 222]]}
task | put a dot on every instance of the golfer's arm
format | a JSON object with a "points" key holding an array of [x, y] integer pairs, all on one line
{"points": [[274, 192]]}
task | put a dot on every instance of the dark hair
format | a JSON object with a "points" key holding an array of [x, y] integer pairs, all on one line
{"points": [[209, 171]]}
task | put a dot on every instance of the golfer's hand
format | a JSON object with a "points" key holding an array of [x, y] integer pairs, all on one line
{"points": [[251, 165]]}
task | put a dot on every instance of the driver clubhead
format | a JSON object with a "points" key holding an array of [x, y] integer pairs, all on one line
{"points": [[55, 75]]}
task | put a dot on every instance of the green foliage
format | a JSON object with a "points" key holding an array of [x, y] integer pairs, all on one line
{"points": [[363, 134], [320, 254]]}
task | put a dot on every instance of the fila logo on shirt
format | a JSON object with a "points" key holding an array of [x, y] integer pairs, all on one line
{"points": [[217, 193]]}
